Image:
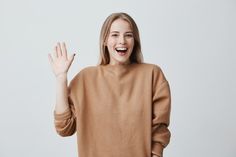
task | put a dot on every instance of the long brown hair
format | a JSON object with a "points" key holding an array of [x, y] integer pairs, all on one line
{"points": [[136, 55]]}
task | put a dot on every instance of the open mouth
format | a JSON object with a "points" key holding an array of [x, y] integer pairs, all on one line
{"points": [[121, 50]]}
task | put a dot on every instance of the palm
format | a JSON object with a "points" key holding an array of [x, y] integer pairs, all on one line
{"points": [[61, 62], [60, 65]]}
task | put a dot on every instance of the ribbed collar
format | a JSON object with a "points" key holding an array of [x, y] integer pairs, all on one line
{"points": [[118, 69]]}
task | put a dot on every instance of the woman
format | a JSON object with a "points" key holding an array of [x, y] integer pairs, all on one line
{"points": [[119, 108]]}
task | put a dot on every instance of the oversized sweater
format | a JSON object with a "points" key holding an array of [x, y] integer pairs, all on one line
{"points": [[118, 111]]}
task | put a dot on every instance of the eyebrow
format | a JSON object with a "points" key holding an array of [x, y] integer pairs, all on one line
{"points": [[119, 32]]}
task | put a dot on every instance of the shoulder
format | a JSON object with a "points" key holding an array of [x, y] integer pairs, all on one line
{"points": [[154, 68], [83, 74], [88, 70], [155, 71]]}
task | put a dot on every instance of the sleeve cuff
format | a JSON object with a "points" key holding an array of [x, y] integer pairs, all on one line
{"points": [[65, 115]]}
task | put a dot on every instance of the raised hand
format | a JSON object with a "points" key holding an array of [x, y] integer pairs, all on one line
{"points": [[61, 62]]}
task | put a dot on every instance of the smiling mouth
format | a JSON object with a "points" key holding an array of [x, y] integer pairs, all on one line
{"points": [[121, 50]]}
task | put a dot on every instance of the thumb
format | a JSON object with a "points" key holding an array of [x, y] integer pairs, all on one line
{"points": [[71, 58]]}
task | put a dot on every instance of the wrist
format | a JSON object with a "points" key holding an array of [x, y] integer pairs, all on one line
{"points": [[61, 77]]}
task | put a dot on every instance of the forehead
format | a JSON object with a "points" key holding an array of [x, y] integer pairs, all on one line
{"points": [[120, 25]]}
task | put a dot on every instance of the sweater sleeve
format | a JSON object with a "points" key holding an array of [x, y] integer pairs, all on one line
{"points": [[160, 113], [65, 123]]}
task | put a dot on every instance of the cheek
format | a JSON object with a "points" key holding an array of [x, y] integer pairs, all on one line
{"points": [[110, 45], [110, 42], [132, 44]]}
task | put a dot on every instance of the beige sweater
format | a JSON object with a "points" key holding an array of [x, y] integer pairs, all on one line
{"points": [[118, 111]]}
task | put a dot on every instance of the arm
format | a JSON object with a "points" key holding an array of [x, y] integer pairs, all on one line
{"points": [[64, 110], [64, 113], [61, 94], [161, 113]]}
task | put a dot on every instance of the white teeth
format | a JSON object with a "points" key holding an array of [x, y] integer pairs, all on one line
{"points": [[121, 48]]}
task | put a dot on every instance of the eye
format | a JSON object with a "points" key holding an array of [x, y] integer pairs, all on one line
{"points": [[129, 35], [114, 35]]}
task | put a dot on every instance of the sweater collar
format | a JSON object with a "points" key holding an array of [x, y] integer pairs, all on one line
{"points": [[118, 69]]}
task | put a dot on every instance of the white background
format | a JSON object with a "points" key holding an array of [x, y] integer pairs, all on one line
{"points": [[192, 40]]}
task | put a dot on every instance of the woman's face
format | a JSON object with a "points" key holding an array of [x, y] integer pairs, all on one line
{"points": [[120, 42]]}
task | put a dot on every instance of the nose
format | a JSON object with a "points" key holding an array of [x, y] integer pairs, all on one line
{"points": [[122, 39]]}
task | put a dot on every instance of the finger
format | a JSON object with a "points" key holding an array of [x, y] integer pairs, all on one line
{"points": [[71, 58], [55, 52], [50, 59], [64, 50], [59, 49]]}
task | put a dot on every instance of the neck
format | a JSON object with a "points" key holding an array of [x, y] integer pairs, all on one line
{"points": [[120, 63]]}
